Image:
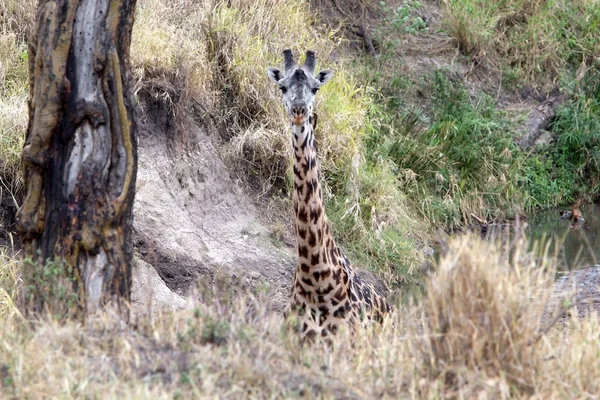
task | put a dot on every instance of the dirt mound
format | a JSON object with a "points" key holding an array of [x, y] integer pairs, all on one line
{"points": [[191, 220]]}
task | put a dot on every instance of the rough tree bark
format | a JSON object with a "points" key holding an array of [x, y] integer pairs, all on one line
{"points": [[80, 153]]}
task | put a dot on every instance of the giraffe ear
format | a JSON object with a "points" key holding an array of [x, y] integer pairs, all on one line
{"points": [[324, 76], [274, 74]]}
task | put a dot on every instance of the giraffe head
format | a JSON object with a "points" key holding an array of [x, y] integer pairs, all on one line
{"points": [[299, 85]]}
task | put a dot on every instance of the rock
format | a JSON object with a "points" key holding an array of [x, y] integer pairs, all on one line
{"points": [[149, 293]]}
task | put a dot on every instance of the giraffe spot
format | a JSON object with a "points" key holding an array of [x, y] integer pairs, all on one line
{"points": [[297, 173], [333, 257], [302, 129], [326, 290], [322, 320], [313, 162], [311, 334], [310, 189], [303, 251], [336, 276], [345, 279], [304, 327], [324, 310], [312, 240], [340, 312], [324, 333], [317, 276], [321, 299], [334, 302], [353, 297], [307, 281], [302, 233], [332, 328], [305, 166], [315, 214], [303, 145], [314, 259], [303, 216], [320, 194], [297, 158], [339, 294], [299, 187], [305, 268], [300, 290], [320, 234]]}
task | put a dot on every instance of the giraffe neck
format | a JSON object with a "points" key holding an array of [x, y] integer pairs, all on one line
{"points": [[312, 229]]}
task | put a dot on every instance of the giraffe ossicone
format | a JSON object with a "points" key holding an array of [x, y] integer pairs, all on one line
{"points": [[326, 291]]}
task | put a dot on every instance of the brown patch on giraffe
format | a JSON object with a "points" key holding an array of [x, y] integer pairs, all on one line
{"points": [[297, 173], [302, 233], [303, 145], [303, 215], [305, 268], [333, 257], [303, 251], [324, 291], [317, 276], [310, 189], [336, 276], [314, 259], [312, 238], [315, 214]]}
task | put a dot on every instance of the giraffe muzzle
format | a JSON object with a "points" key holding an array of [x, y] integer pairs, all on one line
{"points": [[298, 115]]}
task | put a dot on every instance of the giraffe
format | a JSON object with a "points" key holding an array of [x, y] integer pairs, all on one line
{"points": [[326, 291]]}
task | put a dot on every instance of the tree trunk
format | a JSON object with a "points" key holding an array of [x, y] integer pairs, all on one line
{"points": [[80, 153]]}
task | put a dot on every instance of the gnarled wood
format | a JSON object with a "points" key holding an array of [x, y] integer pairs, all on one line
{"points": [[80, 154]]}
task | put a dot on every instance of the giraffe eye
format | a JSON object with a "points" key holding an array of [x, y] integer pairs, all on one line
{"points": [[315, 90], [283, 89]]}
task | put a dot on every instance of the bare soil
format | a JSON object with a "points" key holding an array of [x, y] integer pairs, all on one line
{"points": [[192, 222]]}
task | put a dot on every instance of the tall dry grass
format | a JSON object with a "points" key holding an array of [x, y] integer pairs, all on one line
{"points": [[482, 331], [535, 39]]}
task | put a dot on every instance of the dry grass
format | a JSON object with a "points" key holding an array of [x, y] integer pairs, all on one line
{"points": [[536, 39], [478, 334], [15, 22], [210, 58]]}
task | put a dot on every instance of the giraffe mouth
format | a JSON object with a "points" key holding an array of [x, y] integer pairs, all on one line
{"points": [[298, 120]]}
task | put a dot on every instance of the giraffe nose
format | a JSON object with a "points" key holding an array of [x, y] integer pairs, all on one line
{"points": [[299, 111]]}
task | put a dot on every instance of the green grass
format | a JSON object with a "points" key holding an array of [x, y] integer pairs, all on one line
{"points": [[461, 161], [452, 152], [569, 168]]}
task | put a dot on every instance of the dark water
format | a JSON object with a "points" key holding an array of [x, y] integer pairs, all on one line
{"points": [[576, 247]]}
